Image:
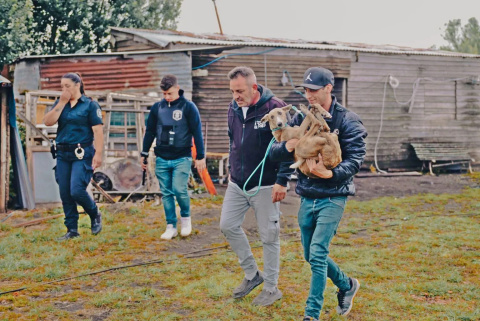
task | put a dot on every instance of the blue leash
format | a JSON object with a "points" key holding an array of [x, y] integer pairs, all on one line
{"points": [[262, 164]]}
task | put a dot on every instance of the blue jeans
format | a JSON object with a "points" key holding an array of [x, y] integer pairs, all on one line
{"points": [[318, 220], [73, 176], [173, 180]]}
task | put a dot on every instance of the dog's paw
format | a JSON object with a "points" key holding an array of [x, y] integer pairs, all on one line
{"points": [[326, 114]]}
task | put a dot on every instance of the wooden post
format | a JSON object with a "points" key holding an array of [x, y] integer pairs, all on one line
{"points": [[105, 194], [106, 128], [7, 175], [138, 126], [28, 138], [4, 165], [38, 221], [218, 17]]}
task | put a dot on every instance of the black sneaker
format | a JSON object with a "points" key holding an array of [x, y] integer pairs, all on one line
{"points": [[345, 298], [69, 235], [247, 286], [96, 223]]}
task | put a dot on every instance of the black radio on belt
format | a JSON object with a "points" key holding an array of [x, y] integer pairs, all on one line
{"points": [[53, 148]]}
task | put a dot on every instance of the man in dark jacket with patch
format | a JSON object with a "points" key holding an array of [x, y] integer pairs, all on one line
{"points": [[249, 139], [323, 199], [173, 122]]}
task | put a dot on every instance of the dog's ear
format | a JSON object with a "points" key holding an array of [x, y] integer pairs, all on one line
{"points": [[264, 119], [287, 108]]}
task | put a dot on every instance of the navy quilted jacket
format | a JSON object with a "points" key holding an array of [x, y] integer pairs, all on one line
{"points": [[351, 137]]}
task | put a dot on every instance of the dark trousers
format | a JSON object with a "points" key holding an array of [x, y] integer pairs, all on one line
{"points": [[73, 176]]}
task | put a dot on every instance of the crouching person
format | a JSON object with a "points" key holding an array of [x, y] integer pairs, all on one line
{"points": [[323, 199], [173, 122]]}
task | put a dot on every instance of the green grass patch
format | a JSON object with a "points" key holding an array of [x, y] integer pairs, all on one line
{"points": [[417, 258]]}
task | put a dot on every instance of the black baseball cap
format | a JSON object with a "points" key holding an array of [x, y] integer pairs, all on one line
{"points": [[316, 78]]}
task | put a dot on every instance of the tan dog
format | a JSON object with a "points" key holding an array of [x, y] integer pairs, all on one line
{"points": [[331, 152], [277, 119], [313, 134]]}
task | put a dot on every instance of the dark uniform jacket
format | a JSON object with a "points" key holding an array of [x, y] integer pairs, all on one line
{"points": [[173, 125], [75, 124]]}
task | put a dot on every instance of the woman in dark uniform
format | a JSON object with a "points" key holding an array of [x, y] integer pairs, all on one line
{"points": [[79, 145]]}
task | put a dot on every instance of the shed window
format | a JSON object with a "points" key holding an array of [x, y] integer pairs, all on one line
{"points": [[122, 132]]}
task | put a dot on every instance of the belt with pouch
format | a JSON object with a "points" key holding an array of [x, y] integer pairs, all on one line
{"points": [[71, 147]]}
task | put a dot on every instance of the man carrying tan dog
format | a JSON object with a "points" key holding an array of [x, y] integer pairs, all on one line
{"points": [[323, 199], [249, 139]]}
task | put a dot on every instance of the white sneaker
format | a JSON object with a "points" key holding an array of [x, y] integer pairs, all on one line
{"points": [[186, 226], [170, 232]]}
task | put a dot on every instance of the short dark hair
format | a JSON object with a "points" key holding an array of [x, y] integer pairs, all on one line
{"points": [[168, 81], [245, 72]]}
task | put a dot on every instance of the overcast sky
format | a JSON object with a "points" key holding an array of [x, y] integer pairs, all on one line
{"points": [[412, 23]]}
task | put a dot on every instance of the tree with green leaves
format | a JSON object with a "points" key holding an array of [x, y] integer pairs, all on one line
{"points": [[462, 39], [15, 20], [70, 26]]}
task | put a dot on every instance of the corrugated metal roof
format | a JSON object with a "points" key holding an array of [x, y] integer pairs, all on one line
{"points": [[163, 38], [120, 54]]}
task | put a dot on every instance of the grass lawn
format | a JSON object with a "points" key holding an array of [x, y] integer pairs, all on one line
{"points": [[417, 258]]}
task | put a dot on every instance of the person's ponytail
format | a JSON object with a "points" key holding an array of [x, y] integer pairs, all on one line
{"points": [[76, 78], [82, 86]]}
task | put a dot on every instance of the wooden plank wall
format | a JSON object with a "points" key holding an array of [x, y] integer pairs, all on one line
{"points": [[446, 107], [4, 150], [212, 94]]}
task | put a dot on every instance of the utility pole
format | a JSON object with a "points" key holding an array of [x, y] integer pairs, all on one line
{"points": [[218, 17]]}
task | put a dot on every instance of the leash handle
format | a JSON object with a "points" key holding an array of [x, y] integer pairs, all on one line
{"points": [[262, 164]]}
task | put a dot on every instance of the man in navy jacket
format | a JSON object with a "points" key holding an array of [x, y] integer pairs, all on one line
{"points": [[323, 199], [173, 122], [249, 139]]}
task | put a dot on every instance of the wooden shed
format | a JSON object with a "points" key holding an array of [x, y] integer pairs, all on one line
{"points": [[403, 95]]}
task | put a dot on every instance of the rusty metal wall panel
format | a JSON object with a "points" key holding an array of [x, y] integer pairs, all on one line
{"points": [[139, 73], [212, 93]]}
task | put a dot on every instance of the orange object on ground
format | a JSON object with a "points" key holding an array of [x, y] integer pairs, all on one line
{"points": [[204, 175]]}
